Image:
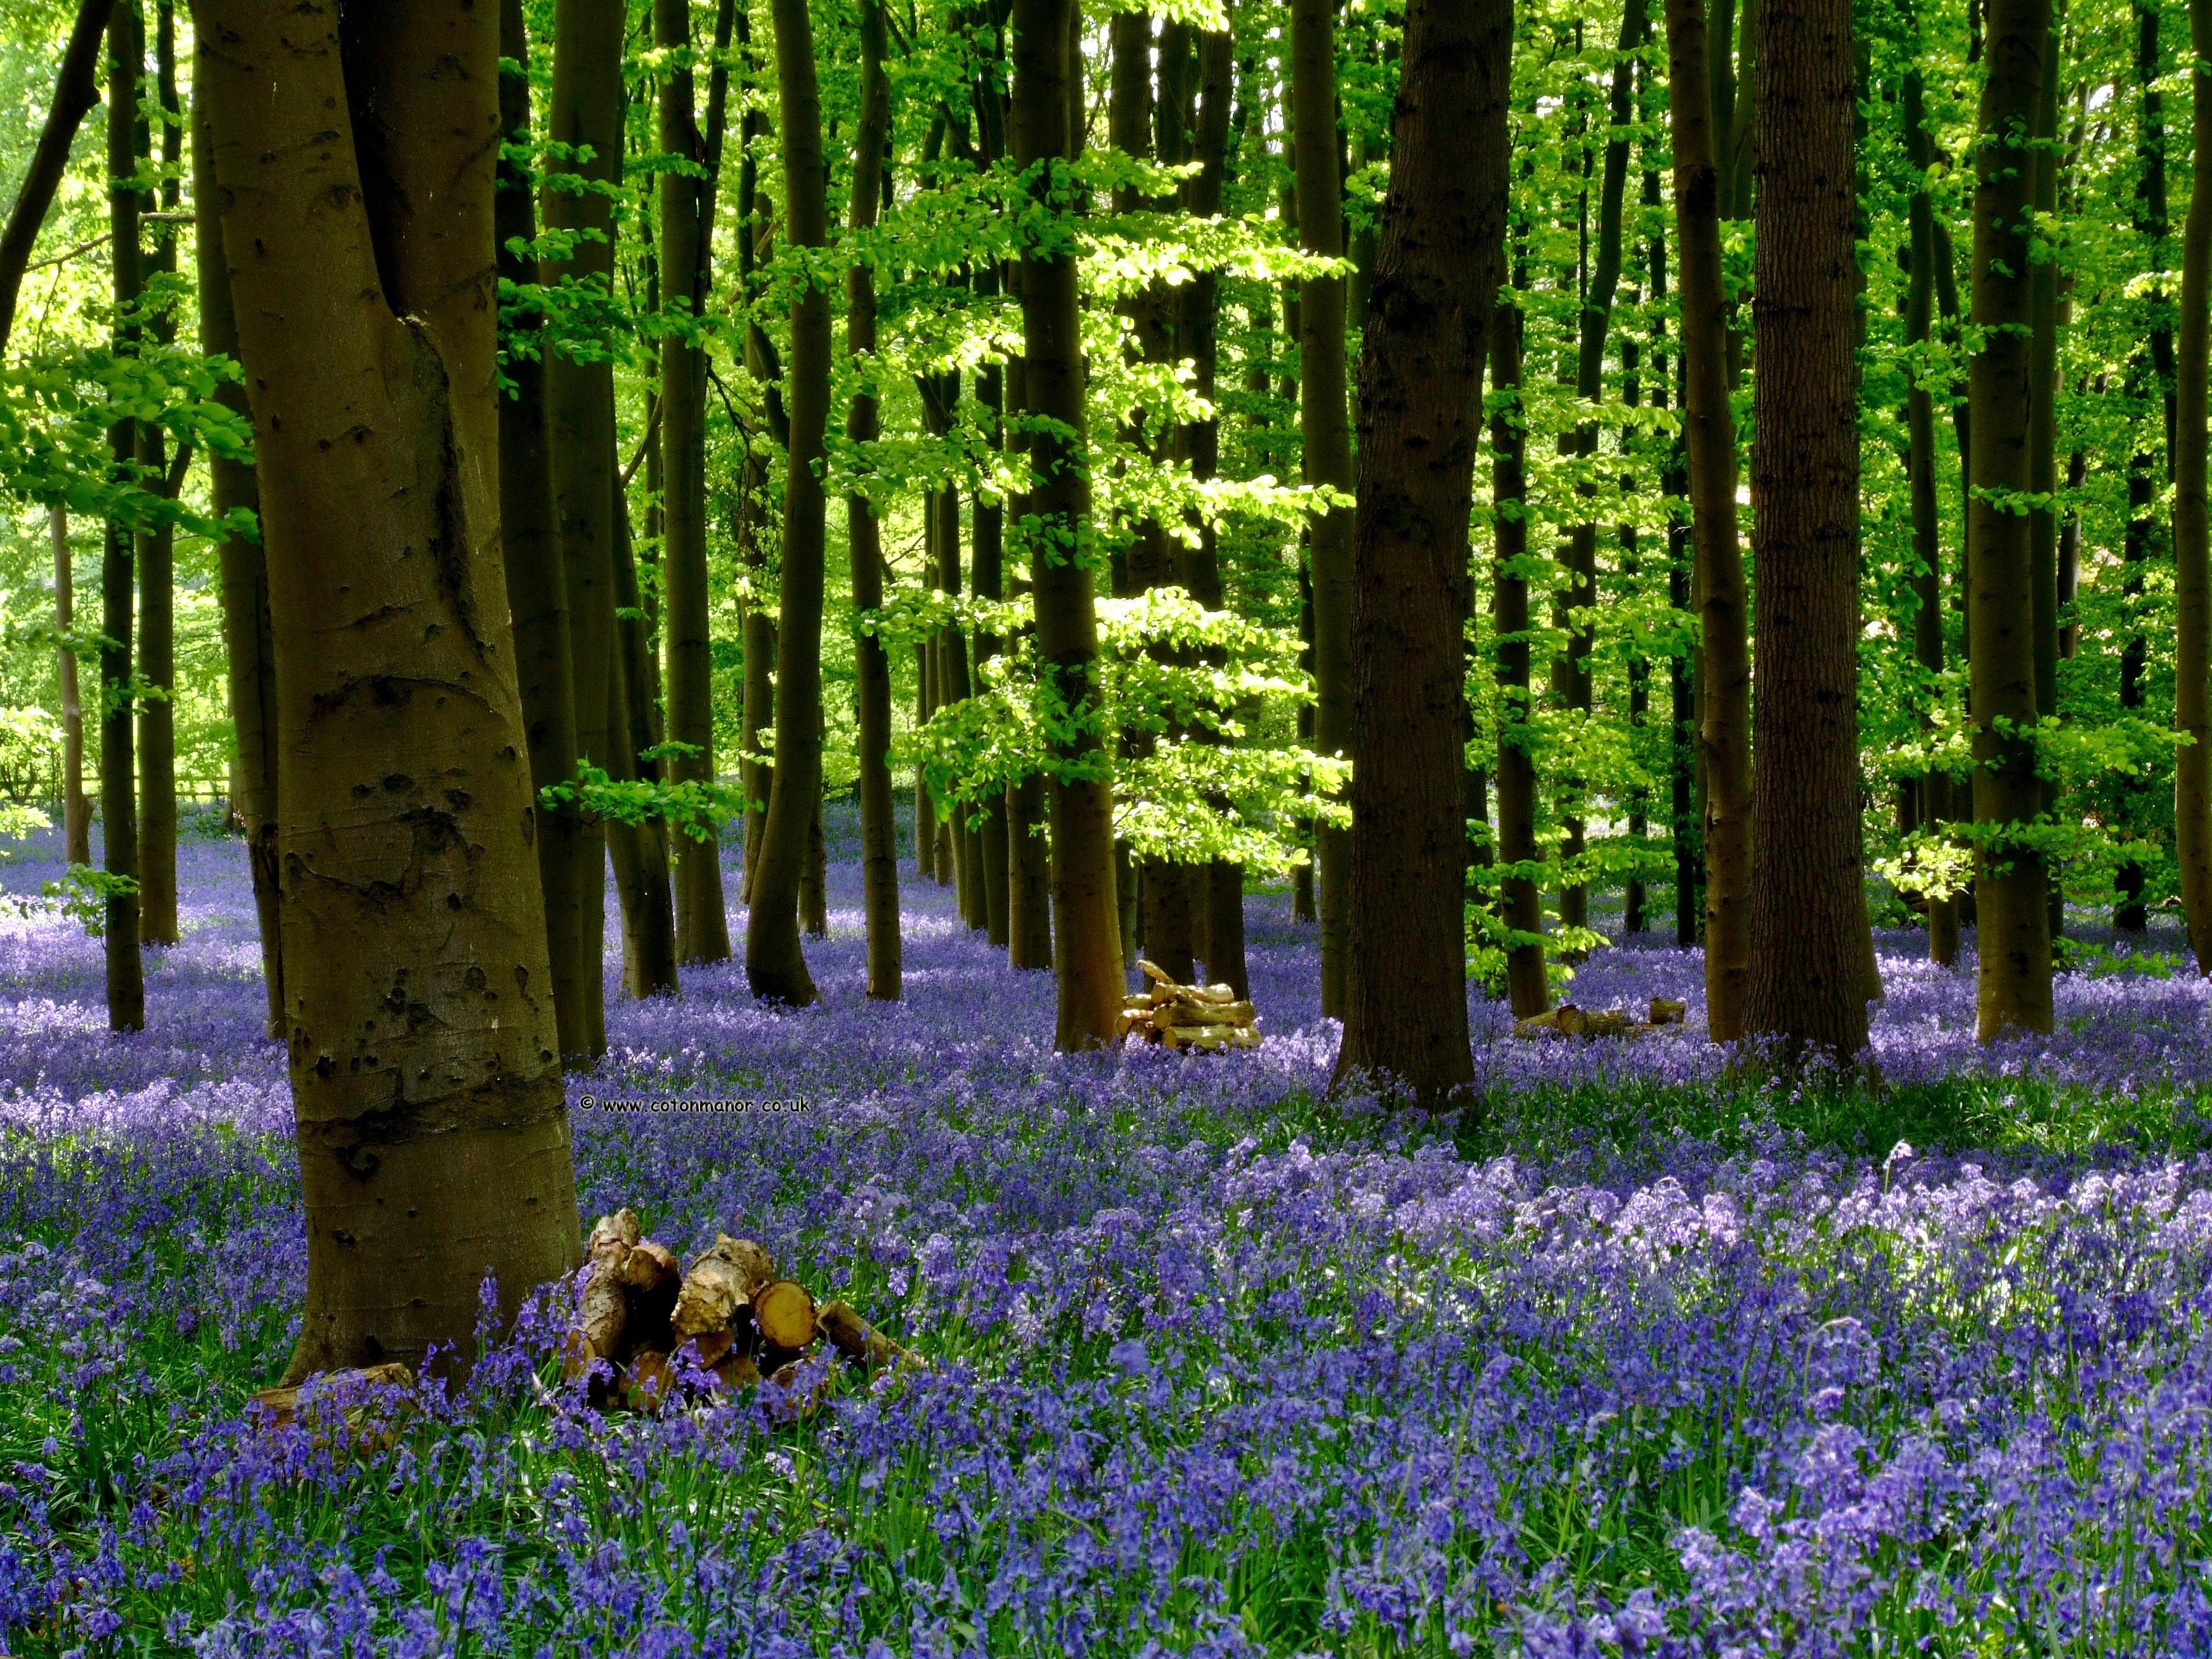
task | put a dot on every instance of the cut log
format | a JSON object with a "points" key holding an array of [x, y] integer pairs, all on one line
{"points": [[282, 1406], [736, 1371], [710, 1348], [650, 1382], [1665, 1010], [854, 1337], [790, 1403], [720, 1282], [1155, 973], [784, 1312], [612, 1236], [605, 1315]]}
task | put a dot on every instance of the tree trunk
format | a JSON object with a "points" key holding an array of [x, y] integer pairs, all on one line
{"points": [[775, 966], [242, 567], [1576, 604], [2042, 452], [536, 585], [433, 1132], [76, 811], [638, 851], [1218, 907], [2149, 371], [1682, 682], [702, 921], [1086, 932], [156, 553], [75, 91], [587, 92], [871, 665], [1438, 265], [1934, 786], [2192, 579], [1520, 861], [1724, 654], [118, 802], [925, 809], [1807, 984], [1325, 425], [2015, 989]]}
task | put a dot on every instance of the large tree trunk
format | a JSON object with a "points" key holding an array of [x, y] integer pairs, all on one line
{"points": [[242, 567], [1807, 986], [702, 920], [2015, 989], [1724, 653], [1437, 266], [1934, 786], [587, 92], [433, 1132], [2192, 579], [1521, 908], [75, 91], [1325, 425], [537, 584], [775, 966], [1576, 608], [76, 811], [880, 893], [1086, 931], [119, 802]]}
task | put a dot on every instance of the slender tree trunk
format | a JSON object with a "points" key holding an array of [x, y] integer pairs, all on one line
{"points": [[76, 811], [1217, 899], [871, 665], [775, 966], [1681, 735], [2043, 450], [243, 570], [1520, 860], [1935, 787], [75, 91], [1807, 983], [1576, 605], [702, 920], [925, 809], [1437, 266], [156, 550], [1086, 931], [1029, 863], [433, 1132], [638, 851], [2150, 373], [118, 802], [2192, 579], [1724, 654], [537, 585], [2014, 988], [586, 114], [1325, 424]]}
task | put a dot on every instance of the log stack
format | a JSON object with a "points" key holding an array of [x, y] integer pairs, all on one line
{"points": [[1211, 1018], [646, 1328], [1568, 1020]]}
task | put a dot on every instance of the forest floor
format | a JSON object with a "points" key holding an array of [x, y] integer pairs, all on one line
{"points": [[1651, 1359]]}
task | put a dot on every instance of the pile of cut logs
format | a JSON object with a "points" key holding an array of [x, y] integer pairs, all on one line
{"points": [[728, 1315], [1204, 1017], [1568, 1020]]}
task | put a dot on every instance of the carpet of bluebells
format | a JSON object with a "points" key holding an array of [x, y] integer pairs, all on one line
{"points": [[1650, 1358]]}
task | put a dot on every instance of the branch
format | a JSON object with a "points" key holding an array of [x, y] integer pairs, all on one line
{"points": [[74, 94]]}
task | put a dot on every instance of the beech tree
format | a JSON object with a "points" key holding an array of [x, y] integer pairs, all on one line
{"points": [[1806, 987], [1437, 266], [355, 172]]}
